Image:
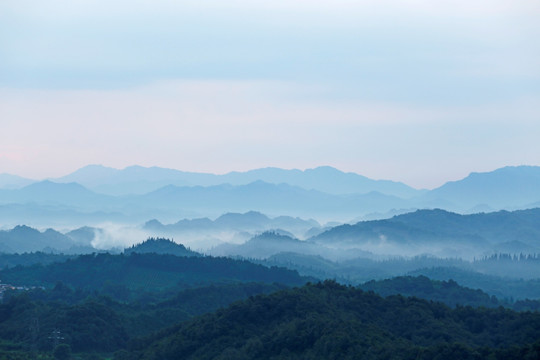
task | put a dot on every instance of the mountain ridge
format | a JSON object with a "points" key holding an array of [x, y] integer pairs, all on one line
{"points": [[322, 178]]}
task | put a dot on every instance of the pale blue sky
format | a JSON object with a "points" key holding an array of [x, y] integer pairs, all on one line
{"points": [[417, 91]]}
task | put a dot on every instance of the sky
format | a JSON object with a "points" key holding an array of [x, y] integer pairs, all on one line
{"points": [[413, 90]]}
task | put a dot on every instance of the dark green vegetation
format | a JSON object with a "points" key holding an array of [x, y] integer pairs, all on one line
{"points": [[90, 322], [149, 304], [123, 276], [34, 258], [102, 302], [505, 276], [501, 287], [152, 306], [330, 321], [447, 292]]}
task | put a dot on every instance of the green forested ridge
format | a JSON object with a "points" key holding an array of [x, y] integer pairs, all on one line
{"points": [[33, 258], [448, 292], [146, 272], [501, 287], [506, 276], [145, 304], [331, 321], [98, 323]]}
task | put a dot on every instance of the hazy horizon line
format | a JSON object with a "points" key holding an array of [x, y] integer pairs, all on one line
{"points": [[207, 172]]}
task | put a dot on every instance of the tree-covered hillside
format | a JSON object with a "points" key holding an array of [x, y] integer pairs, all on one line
{"points": [[91, 322], [146, 272], [160, 246], [330, 321], [433, 231]]}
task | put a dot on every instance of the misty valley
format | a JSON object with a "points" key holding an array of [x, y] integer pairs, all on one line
{"points": [[154, 263]]}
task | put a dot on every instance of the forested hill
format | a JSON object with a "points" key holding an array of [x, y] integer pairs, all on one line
{"points": [[147, 272], [161, 246], [90, 322], [503, 231], [448, 292], [330, 321]]}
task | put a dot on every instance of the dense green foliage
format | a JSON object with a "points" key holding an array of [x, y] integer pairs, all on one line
{"points": [[502, 287], [98, 323], [146, 272], [330, 321], [151, 306], [448, 292], [515, 280], [33, 258]]}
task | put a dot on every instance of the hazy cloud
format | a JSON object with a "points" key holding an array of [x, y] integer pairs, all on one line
{"points": [[385, 88]]}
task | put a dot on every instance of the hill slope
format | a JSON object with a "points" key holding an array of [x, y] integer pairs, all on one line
{"points": [[438, 229], [329, 321], [160, 246], [147, 271], [511, 186]]}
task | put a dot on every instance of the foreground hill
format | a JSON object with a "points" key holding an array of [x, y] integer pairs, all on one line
{"points": [[91, 322], [330, 321], [316, 320]]}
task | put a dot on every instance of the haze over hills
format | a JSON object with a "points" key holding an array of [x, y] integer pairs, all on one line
{"points": [[52, 193], [141, 180], [8, 181], [244, 225], [511, 186], [322, 193], [25, 239], [172, 202], [440, 232]]}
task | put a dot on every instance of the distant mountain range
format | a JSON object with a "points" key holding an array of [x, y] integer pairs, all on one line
{"points": [[173, 202], [135, 194], [436, 232], [249, 222], [141, 180], [270, 243], [25, 239], [8, 181], [503, 188]]}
